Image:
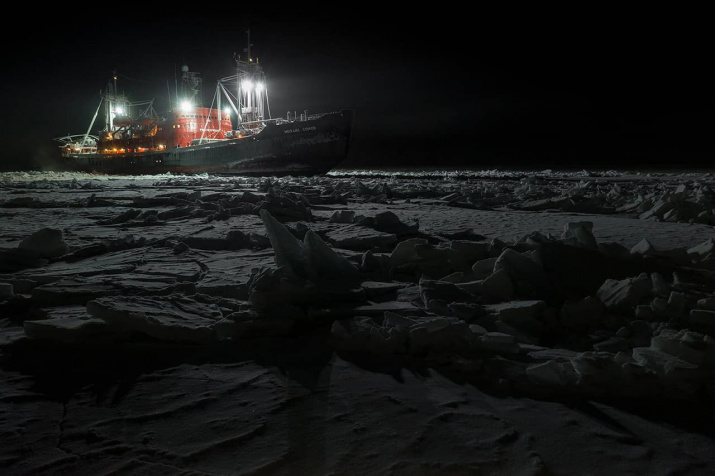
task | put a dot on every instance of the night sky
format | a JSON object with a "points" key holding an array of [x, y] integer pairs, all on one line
{"points": [[430, 88]]}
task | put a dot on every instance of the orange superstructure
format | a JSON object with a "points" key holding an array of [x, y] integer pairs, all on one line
{"points": [[181, 128]]}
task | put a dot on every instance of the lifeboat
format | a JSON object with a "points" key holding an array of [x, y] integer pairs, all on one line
{"points": [[122, 121], [145, 121]]}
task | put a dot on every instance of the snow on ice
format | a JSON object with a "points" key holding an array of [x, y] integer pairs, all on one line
{"points": [[531, 288]]}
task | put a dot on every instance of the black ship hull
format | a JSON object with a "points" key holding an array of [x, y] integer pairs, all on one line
{"points": [[307, 147]]}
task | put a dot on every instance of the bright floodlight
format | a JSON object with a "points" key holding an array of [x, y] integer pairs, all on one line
{"points": [[248, 85], [186, 106], [119, 110], [259, 87], [227, 110]]}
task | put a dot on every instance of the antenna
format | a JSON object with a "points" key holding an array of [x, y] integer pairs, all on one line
{"points": [[248, 49]]}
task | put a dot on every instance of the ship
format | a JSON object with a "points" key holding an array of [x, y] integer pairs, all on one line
{"points": [[234, 135]]}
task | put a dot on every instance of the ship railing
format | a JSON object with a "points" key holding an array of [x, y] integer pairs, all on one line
{"points": [[68, 151], [301, 117], [78, 140], [205, 141], [245, 126], [77, 144]]}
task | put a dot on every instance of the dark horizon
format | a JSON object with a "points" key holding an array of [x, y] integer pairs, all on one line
{"points": [[599, 90]]}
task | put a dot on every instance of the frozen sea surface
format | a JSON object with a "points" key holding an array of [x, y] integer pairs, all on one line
{"points": [[362, 322]]}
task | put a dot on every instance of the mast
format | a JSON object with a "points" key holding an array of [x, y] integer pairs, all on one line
{"points": [[111, 97], [190, 87], [250, 79], [248, 47], [248, 88], [115, 104]]}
